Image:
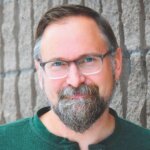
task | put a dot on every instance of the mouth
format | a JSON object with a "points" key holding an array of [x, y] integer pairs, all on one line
{"points": [[77, 96]]}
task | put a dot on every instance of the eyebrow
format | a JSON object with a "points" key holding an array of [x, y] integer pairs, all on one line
{"points": [[67, 60]]}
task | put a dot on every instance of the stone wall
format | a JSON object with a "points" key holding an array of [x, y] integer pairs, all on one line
{"points": [[130, 20]]}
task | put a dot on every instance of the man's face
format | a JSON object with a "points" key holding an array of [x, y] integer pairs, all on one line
{"points": [[69, 39]]}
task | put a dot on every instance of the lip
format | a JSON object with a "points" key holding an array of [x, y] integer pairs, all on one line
{"points": [[77, 96]]}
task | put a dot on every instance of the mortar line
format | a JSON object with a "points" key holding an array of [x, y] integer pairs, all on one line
{"points": [[126, 56], [143, 119], [50, 3], [2, 59], [33, 90], [82, 2], [143, 60], [16, 34], [142, 25], [65, 1], [101, 7]]}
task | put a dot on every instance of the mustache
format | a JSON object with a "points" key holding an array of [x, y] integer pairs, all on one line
{"points": [[89, 90]]}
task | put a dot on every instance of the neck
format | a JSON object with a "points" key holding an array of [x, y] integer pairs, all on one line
{"points": [[100, 130]]}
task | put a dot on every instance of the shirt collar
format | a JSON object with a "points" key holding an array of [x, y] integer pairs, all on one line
{"points": [[52, 139]]}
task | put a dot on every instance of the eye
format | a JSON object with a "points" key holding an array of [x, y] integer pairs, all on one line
{"points": [[57, 63], [88, 59]]}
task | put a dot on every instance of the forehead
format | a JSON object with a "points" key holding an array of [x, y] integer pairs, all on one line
{"points": [[72, 37]]}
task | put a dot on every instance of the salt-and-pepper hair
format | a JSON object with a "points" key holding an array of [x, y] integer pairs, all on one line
{"points": [[37, 47]]}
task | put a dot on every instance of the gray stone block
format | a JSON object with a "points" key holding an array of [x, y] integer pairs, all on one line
{"points": [[130, 18], [39, 10], [1, 57], [9, 98], [1, 86], [93, 4], [116, 102], [1, 82], [110, 12], [25, 35], [147, 21], [1, 49], [8, 36], [136, 89], [148, 89], [25, 93], [41, 99], [57, 2], [74, 1]]}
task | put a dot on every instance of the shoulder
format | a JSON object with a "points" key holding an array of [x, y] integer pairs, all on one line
{"points": [[135, 135], [130, 135], [13, 135], [125, 126], [133, 128], [14, 127]]}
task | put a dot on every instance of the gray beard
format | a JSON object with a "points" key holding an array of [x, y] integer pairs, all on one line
{"points": [[80, 114]]}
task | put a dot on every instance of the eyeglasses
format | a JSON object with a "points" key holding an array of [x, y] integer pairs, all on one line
{"points": [[87, 65]]}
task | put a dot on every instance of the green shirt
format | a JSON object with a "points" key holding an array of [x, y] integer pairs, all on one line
{"points": [[31, 134]]}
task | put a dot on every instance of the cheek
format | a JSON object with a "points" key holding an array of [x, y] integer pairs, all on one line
{"points": [[104, 80], [106, 86], [51, 88]]}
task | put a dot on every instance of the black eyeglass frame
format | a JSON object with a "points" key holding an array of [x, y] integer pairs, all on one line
{"points": [[101, 56]]}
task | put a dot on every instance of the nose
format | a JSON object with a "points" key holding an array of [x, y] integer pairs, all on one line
{"points": [[75, 78]]}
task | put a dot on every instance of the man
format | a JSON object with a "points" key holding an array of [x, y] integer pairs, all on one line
{"points": [[78, 62]]}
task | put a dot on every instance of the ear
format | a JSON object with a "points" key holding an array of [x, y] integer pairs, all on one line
{"points": [[118, 63], [39, 73]]}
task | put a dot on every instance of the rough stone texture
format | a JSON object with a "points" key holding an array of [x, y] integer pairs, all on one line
{"points": [[25, 95], [58, 2], [126, 69], [38, 10], [147, 21], [41, 99], [130, 18], [93, 4], [1, 51], [136, 89], [1, 60], [9, 98], [25, 28], [74, 1], [110, 11], [116, 102], [8, 36], [148, 89], [0, 98]]}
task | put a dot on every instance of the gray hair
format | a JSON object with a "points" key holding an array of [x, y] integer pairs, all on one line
{"points": [[37, 47]]}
